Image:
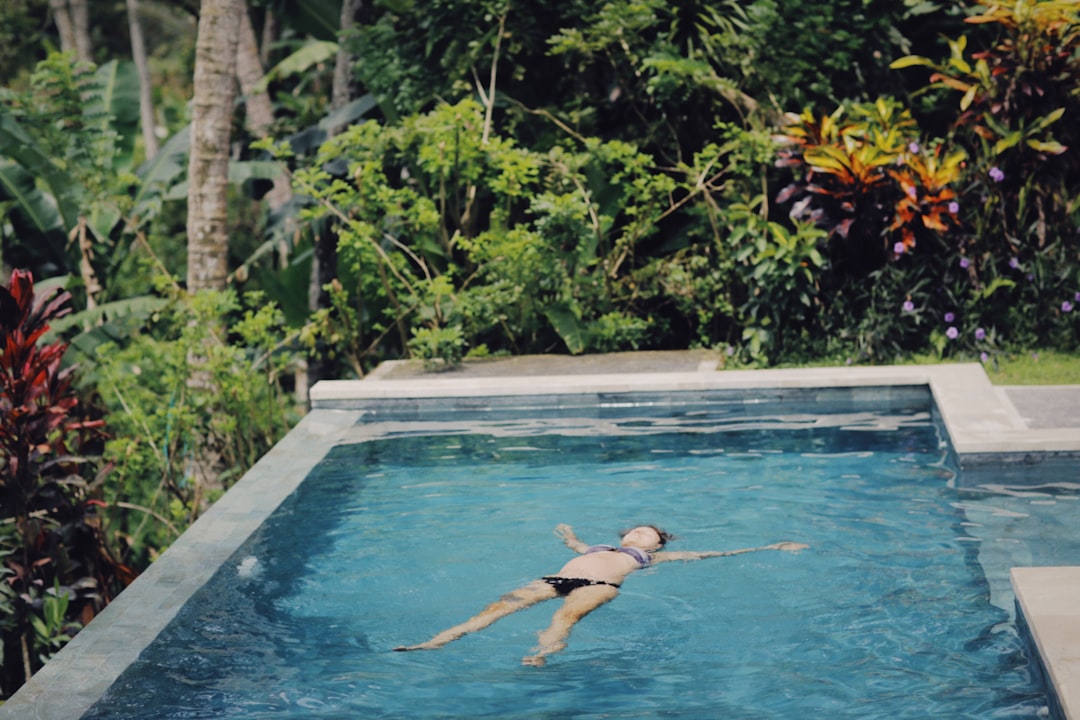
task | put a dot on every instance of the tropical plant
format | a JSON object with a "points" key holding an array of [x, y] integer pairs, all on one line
{"points": [[63, 154], [175, 444], [842, 182], [1014, 95], [1019, 204], [454, 237], [50, 539], [780, 270], [927, 209]]}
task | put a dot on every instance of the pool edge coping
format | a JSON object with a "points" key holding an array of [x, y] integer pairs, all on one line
{"points": [[980, 419], [1046, 600]]}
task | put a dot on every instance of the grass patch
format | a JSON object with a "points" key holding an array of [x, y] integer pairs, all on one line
{"points": [[1036, 367], [1042, 367]]}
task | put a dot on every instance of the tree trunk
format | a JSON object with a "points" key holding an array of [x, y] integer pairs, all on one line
{"points": [[211, 120], [260, 111], [269, 35], [342, 91], [146, 102], [324, 264], [64, 26], [80, 20]]}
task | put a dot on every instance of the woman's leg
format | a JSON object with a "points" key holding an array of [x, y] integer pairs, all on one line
{"points": [[577, 605], [523, 597]]}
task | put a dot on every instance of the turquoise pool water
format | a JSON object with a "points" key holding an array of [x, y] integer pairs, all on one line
{"points": [[900, 609]]}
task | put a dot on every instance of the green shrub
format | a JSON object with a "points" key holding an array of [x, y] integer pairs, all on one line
{"points": [[191, 404]]}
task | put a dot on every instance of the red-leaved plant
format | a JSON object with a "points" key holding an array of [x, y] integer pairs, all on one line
{"points": [[56, 569]]}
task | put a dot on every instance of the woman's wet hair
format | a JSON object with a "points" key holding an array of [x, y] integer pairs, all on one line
{"points": [[665, 537]]}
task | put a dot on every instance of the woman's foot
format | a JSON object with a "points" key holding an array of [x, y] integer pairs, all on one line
{"points": [[789, 546]]}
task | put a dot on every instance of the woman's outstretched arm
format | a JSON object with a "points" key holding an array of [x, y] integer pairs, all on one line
{"points": [[567, 534], [660, 557]]}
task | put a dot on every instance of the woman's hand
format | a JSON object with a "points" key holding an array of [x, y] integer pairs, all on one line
{"points": [[566, 533]]}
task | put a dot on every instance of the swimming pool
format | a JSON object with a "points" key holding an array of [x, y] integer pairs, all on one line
{"points": [[889, 614], [102, 652]]}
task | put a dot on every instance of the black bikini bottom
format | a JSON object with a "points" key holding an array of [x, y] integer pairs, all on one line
{"points": [[564, 585]]}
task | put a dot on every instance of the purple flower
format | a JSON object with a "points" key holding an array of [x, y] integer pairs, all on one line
{"points": [[952, 333], [1014, 263], [984, 357], [1076, 297], [909, 306], [913, 147], [996, 174], [898, 248], [730, 351], [949, 317], [1066, 307], [980, 334], [954, 207], [964, 263]]}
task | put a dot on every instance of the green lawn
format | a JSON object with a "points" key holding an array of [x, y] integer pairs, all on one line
{"points": [[1038, 367], [1035, 368]]}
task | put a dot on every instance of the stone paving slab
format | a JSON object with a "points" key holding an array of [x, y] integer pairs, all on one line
{"points": [[1048, 600], [1047, 406], [667, 361]]}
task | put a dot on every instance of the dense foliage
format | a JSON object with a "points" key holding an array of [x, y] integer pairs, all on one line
{"points": [[57, 569], [627, 201], [782, 181]]}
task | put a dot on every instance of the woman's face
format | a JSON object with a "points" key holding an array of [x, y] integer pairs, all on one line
{"points": [[643, 537]]}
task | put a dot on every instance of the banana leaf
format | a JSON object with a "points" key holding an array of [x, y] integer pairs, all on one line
{"points": [[22, 196], [119, 100], [17, 145], [159, 173], [301, 61], [569, 327]]}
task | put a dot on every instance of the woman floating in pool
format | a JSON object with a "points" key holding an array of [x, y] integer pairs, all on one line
{"points": [[585, 583]]}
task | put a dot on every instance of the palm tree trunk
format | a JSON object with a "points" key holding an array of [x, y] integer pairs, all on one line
{"points": [[324, 266], [269, 35], [260, 111], [211, 120], [142, 66], [342, 90], [80, 20], [64, 26]]}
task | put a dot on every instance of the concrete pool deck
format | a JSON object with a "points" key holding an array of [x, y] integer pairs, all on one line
{"points": [[1027, 428]]}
